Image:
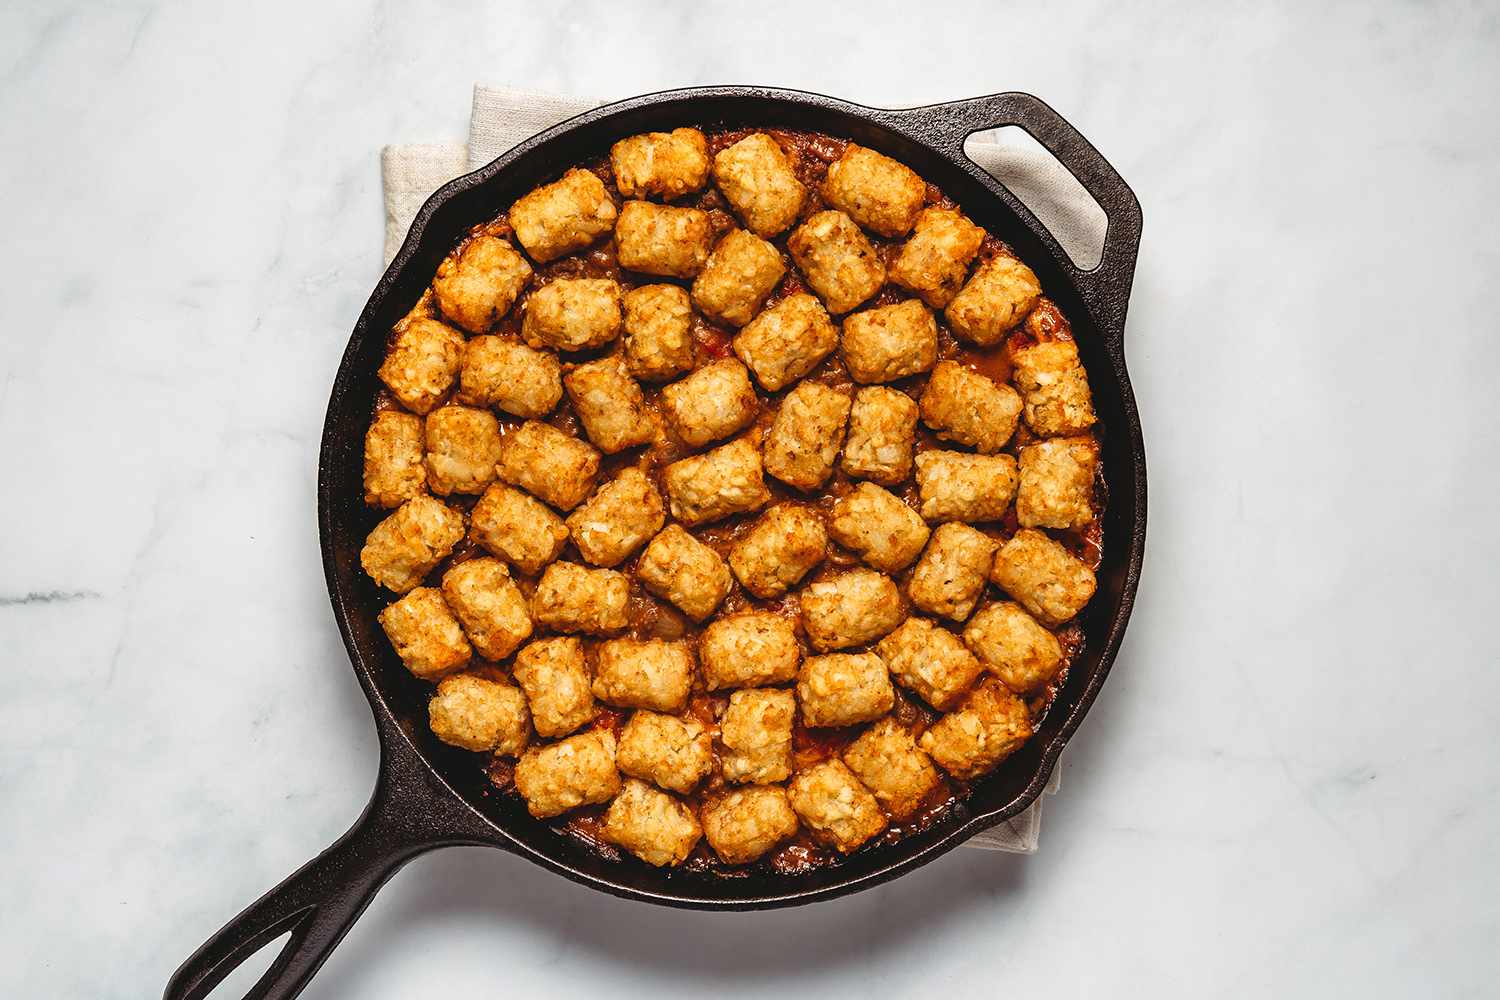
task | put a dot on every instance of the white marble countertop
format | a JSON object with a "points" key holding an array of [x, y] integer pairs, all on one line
{"points": [[1286, 784]]}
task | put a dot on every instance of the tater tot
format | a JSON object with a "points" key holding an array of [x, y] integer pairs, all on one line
{"points": [[874, 190], [786, 341], [950, 576], [488, 605], [410, 542], [934, 261], [574, 598], [394, 468], [803, 443], [566, 215], [463, 445], [998, 295], [957, 486], [744, 824], [711, 404], [760, 184], [882, 435], [477, 710], [618, 519], [1048, 580], [572, 314], [844, 689], [970, 408], [506, 374], [669, 752], [876, 524], [519, 529], [1054, 388], [425, 634], [931, 661], [682, 570], [1056, 485], [1013, 646], [835, 807], [990, 725], [663, 239], [476, 286], [577, 771], [666, 164], [548, 463], [652, 825], [837, 260], [890, 342], [717, 483], [741, 271], [779, 550], [886, 760], [749, 649], [555, 677], [649, 673], [610, 405], [851, 609], [658, 332], [756, 734], [422, 362]]}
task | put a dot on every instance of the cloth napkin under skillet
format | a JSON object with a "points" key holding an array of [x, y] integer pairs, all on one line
{"points": [[502, 117]]}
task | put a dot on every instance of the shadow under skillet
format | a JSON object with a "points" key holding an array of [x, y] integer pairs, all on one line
{"points": [[491, 893]]}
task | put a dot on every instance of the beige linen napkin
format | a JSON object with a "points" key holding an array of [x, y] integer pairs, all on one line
{"points": [[502, 117]]}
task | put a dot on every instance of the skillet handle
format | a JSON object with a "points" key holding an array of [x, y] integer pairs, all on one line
{"points": [[321, 900], [1105, 288]]}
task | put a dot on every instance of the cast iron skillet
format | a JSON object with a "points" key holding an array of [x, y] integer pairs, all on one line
{"points": [[429, 795]]}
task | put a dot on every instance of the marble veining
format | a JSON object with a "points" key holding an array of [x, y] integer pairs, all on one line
{"points": [[1288, 784]]}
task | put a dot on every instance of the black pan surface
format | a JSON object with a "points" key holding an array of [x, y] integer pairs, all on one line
{"points": [[429, 795]]}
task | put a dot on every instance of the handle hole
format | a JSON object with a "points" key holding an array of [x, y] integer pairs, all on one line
{"points": [[1044, 185], [243, 977]]}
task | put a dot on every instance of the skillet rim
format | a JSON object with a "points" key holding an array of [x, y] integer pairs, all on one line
{"points": [[398, 748]]}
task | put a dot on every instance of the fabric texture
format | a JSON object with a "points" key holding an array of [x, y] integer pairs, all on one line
{"points": [[502, 116]]}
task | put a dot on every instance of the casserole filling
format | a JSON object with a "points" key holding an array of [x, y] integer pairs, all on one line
{"points": [[738, 496]]}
